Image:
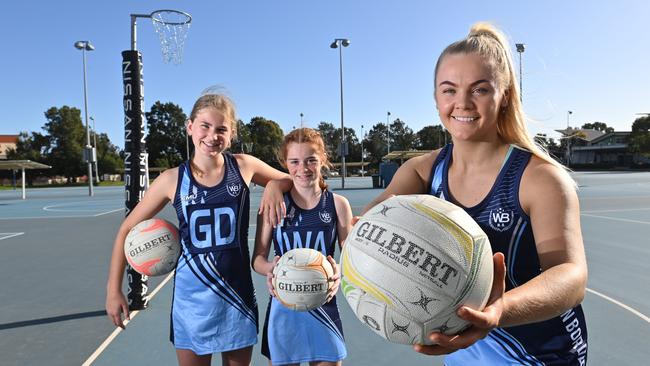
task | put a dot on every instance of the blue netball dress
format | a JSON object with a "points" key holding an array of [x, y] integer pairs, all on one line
{"points": [[317, 335], [213, 307], [558, 341]]}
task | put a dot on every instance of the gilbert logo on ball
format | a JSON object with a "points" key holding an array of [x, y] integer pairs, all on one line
{"points": [[152, 247], [408, 265], [300, 279]]}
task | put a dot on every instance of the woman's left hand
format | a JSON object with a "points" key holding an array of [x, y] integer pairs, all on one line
{"points": [[335, 278], [482, 322]]}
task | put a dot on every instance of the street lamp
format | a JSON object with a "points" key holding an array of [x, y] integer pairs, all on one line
{"points": [[363, 169], [387, 134], [520, 49], [568, 140], [95, 147], [86, 46], [340, 43], [301, 124]]}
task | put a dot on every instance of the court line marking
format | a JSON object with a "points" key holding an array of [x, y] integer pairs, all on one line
{"points": [[10, 235], [118, 330], [616, 219], [108, 212], [616, 302]]}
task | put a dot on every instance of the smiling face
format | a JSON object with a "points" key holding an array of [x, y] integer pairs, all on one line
{"points": [[304, 164], [210, 132], [468, 97]]}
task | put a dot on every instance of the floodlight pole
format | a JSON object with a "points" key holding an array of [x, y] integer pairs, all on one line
{"points": [[340, 43], [520, 49], [387, 134], [568, 140], [86, 46]]}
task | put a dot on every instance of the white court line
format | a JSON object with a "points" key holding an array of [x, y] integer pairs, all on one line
{"points": [[616, 219], [118, 330], [631, 310], [9, 235], [108, 212]]}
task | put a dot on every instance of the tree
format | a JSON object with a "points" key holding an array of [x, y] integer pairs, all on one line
{"points": [[598, 126], [639, 140], [67, 138], [267, 137], [402, 136], [28, 147], [166, 141], [431, 137], [31, 148], [108, 156], [375, 143], [328, 133], [244, 140]]}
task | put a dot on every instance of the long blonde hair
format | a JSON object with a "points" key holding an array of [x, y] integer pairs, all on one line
{"points": [[485, 40]]}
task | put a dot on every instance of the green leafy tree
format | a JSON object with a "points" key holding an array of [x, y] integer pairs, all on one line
{"points": [[108, 156], [328, 133], [375, 143], [639, 140], [244, 140], [598, 126], [266, 136], [67, 138], [431, 137], [402, 136], [30, 147], [166, 141]]}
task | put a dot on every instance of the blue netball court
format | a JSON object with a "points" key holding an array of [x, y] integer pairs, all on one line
{"points": [[56, 248]]}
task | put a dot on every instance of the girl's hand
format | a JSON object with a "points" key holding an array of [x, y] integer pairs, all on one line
{"points": [[116, 305], [269, 277], [272, 204], [482, 321], [335, 279]]}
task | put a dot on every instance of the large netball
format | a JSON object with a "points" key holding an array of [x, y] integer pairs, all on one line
{"points": [[152, 247], [300, 279], [410, 262]]}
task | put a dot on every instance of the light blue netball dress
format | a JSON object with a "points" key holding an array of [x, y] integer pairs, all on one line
{"points": [[558, 341], [317, 335], [213, 307]]}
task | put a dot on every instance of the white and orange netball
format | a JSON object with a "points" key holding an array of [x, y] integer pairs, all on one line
{"points": [[152, 247], [301, 279]]}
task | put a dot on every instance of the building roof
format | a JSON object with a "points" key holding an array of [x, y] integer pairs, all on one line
{"points": [[21, 164], [586, 134], [9, 138], [405, 155]]}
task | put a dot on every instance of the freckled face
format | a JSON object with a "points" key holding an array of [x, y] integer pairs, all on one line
{"points": [[210, 132], [304, 164], [468, 97]]}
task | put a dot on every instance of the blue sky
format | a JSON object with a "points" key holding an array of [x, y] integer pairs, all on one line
{"points": [[273, 58]]}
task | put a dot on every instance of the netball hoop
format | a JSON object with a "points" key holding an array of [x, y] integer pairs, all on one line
{"points": [[171, 27]]}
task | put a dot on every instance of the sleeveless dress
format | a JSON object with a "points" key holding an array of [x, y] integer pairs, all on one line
{"points": [[558, 341], [317, 335], [213, 307]]}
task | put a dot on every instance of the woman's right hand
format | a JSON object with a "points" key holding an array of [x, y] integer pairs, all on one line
{"points": [[116, 305]]}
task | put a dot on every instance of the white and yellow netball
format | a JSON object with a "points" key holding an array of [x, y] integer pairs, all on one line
{"points": [[152, 247], [300, 279], [410, 262]]}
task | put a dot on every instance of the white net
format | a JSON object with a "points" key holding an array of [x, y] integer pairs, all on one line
{"points": [[172, 27]]}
